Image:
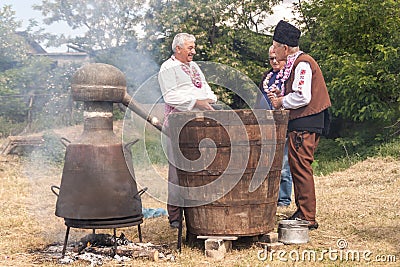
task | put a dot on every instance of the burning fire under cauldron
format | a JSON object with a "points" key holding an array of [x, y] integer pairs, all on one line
{"points": [[98, 188]]}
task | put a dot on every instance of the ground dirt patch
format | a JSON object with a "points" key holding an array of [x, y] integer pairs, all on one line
{"points": [[358, 207]]}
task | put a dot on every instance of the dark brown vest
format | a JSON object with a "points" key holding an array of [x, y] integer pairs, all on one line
{"points": [[319, 93]]}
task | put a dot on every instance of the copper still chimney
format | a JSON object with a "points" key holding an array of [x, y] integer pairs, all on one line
{"points": [[98, 188]]}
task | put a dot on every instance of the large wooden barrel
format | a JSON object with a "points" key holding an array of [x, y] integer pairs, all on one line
{"points": [[245, 144]]}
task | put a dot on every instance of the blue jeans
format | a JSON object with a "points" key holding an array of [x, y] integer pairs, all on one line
{"points": [[285, 188]]}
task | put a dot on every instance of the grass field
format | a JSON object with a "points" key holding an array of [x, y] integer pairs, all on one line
{"points": [[359, 206]]}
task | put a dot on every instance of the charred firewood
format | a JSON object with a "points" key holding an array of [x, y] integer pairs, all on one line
{"points": [[100, 240]]}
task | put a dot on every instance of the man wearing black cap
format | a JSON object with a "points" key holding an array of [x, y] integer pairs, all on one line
{"points": [[304, 93]]}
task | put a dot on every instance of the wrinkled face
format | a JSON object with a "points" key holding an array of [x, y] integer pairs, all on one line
{"points": [[274, 62], [281, 51], [185, 54]]}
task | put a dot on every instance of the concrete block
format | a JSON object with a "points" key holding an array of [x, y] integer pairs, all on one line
{"points": [[218, 244], [217, 248]]}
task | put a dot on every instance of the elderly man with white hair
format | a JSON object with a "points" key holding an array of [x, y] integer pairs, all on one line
{"points": [[184, 88]]}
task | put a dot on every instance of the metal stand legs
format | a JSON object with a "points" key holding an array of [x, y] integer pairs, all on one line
{"points": [[139, 233], [180, 229], [65, 242]]}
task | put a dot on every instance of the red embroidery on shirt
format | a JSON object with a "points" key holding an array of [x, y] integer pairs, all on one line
{"points": [[168, 109], [302, 72], [301, 82]]}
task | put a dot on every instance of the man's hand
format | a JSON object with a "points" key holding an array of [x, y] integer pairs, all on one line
{"points": [[275, 101], [204, 104]]}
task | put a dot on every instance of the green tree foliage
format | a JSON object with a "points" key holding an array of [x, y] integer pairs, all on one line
{"points": [[111, 30], [30, 86], [357, 44], [14, 61], [106, 23], [11, 45]]}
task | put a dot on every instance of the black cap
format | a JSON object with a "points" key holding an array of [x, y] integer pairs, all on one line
{"points": [[286, 33]]}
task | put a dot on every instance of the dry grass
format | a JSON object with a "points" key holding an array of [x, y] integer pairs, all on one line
{"points": [[360, 205]]}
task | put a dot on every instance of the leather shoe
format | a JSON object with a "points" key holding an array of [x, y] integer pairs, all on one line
{"points": [[174, 224], [312, 226], [298, 215]]}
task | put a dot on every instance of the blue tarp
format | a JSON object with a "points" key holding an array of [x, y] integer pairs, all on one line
{"points": [[152, 213]]}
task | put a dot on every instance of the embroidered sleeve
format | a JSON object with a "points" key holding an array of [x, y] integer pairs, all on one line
{"points": [[301, 88]]}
